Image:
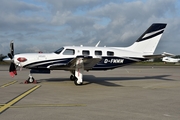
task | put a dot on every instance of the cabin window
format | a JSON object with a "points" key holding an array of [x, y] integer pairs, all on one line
{"points": [[85, 52], [69, 52], [109, 53], [98, 52], [59, 50]]}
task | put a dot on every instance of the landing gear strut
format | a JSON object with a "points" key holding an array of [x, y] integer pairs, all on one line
{"points": [[78, 73]]}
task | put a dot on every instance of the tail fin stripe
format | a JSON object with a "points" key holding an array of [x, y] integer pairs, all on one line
{"points": [[154, 28], [151, 36]]}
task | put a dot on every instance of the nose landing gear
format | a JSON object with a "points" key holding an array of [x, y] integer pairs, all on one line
{"points": [[30, 80]]}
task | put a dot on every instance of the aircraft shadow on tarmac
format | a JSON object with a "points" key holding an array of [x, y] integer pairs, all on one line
{"points": [[108, 81]]}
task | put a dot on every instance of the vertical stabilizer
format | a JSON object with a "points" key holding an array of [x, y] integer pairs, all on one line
{"points": [[149, 40]]}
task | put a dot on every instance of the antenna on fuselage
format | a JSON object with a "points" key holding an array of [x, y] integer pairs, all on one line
{"points": [[97, 44]]}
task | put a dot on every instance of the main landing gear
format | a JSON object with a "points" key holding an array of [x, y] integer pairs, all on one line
{"points": [[72, 77], [76, 82], [78, 73]]}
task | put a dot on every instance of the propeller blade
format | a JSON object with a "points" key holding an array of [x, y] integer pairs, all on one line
{"points": [[10, 56], [12, 69], [12, 48]]}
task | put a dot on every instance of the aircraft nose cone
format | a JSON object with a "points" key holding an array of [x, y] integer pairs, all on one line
{"points": [[7, 59]]}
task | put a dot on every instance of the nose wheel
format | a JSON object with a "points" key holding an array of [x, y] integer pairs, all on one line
{"points": [[30, 80]]}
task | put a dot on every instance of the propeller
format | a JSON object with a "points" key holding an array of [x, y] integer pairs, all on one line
{"points": [[12, 68]]}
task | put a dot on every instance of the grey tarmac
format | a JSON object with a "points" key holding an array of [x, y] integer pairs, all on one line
{"points": [[126, 93]]}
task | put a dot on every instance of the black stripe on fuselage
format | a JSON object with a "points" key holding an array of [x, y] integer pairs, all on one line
{"points": [[108, 62], [45, 63]]}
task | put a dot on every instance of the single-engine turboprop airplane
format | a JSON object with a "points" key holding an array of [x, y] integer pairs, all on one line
{"points": [[76, 59]]}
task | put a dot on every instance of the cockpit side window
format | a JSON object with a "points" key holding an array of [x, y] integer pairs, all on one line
{"points": [[59, 50], [69, 52]]}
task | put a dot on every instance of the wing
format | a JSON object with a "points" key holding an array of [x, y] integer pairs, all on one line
{"points": [[88, 61]]}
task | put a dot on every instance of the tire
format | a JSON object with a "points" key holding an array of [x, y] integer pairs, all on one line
{"points": [[76, 83], [30, 80], [72, 77]]}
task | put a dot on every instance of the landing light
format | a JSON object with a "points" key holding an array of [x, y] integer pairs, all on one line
{"points": [[21, 59]]}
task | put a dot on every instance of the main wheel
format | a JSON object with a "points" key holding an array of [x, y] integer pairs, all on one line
{"points": [[72, 77], [76, 82]]}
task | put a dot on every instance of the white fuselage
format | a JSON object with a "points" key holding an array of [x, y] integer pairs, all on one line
{"points": [[38, 59]]}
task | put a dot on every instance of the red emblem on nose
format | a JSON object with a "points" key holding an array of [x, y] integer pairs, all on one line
{"points": [[21, 59]]}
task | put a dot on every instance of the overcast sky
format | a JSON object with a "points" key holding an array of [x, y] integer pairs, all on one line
{"points": [[46, 25]]}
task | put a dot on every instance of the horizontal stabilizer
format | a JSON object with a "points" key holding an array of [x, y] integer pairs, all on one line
{"points": [[164, 54], [168, 54]]}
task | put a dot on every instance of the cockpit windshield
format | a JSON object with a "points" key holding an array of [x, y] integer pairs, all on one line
{"points": [[59, 50]]}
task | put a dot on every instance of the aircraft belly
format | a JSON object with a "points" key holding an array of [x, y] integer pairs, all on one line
{"points": [[40, 71]]}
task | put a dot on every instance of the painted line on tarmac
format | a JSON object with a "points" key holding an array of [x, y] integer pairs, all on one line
{"points": [[48, 105], [1, 105], [18, 98], [8, 84]]}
